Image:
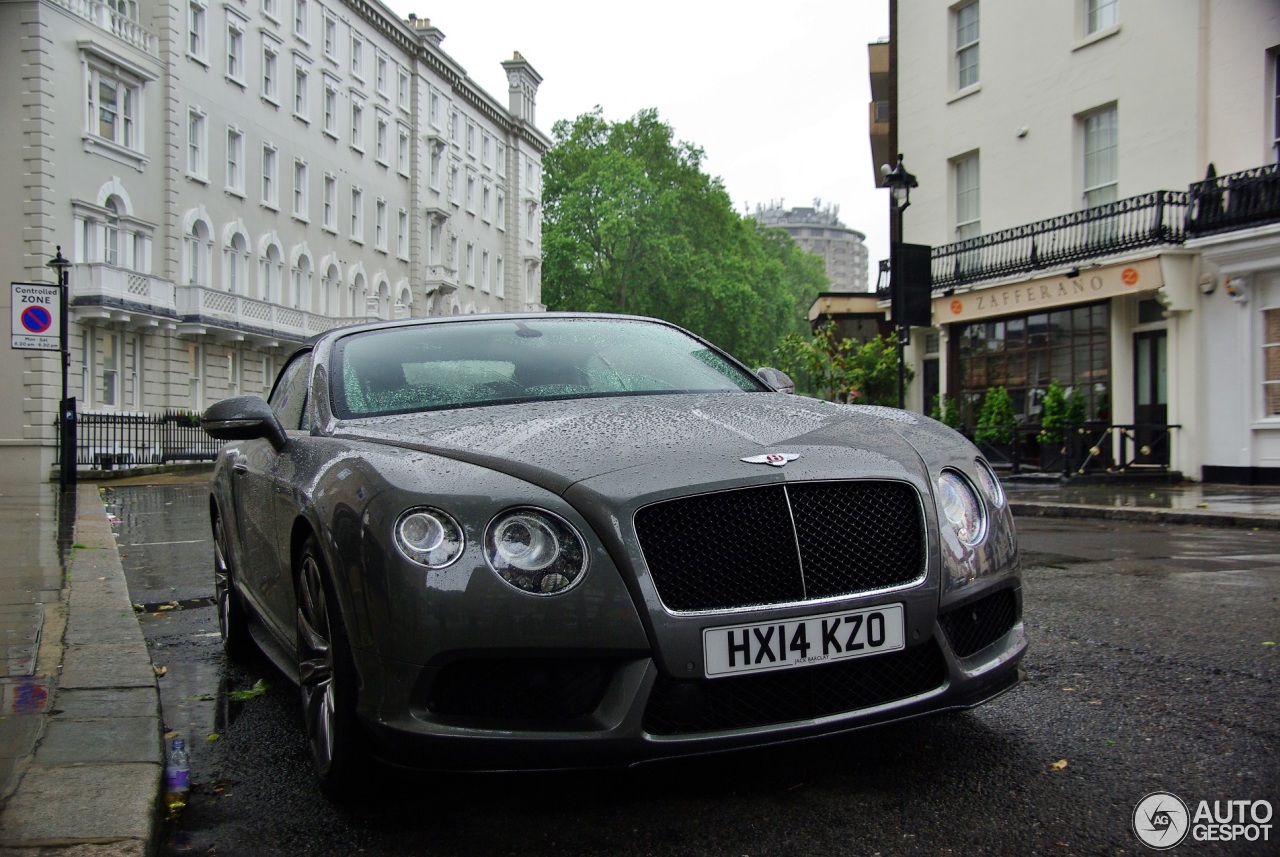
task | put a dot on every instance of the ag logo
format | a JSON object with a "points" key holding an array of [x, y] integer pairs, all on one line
{"points": [[1161, 820], [777, 459]]}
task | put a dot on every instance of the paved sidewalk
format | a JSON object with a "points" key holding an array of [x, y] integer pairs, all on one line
{"points": [[81, 752]]}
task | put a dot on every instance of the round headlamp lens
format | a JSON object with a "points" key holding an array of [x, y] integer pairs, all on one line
{"points": [[429, 537], [962, 508], [535, 551], [990, 484]]}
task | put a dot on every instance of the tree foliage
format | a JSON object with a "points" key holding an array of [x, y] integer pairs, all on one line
{"points": [[632, 224], [842, 369], [996, 422]]}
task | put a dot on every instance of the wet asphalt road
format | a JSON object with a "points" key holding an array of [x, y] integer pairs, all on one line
{"points": [[1149, 670]]}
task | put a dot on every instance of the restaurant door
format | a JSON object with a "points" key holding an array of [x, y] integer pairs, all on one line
{"points": [[1151, 398]]}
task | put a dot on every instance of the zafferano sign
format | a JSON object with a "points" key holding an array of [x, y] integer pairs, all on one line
{"points": [[1044, 294]]}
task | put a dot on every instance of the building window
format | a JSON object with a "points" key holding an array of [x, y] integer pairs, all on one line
{"points": [[380, 225], [1100, 14], [271, 9], [485, 285], [301, 87], [500, 276], [437, 161], [486, 203], [966, 30], [402, 88], [196, 243], [197, 145], [968, 209], [269, 176], [380, 74], [502, 210], [237, 265], [111, 233], [272, 267], [357, 215], [110, 374], [471, 139], [197, 33], [357, 57], [402, 150], [471, 193], [380, 138], [235, 161], [330, 117], [502, 159], [1025, 354], [270, 70], [357, 124], [1275, 106], [1271, 360], [455, 185], [235, 49], [330, 37], [302, 20], [471, 265], [328, 204], [1101, 157], [300, 189], [402, 234], [114, 105], [433, 111]]}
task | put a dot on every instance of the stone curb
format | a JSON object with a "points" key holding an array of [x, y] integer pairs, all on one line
{"points": [[92, 788], [1204, 518]]}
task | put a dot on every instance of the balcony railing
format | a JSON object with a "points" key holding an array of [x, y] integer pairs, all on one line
{"points": [[110, 17], [198, 304], [1218, 204], [100, 283]]}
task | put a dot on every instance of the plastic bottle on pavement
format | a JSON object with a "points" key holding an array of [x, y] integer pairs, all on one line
{"points": [[177, 776]]}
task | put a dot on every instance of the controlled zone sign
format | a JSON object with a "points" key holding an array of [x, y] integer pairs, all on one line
{"points": [[36, 322]]}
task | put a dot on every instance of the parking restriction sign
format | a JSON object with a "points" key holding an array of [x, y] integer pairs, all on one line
{"points": [[36, 324]]}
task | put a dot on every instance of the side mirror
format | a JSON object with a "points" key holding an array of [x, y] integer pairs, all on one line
{"points": [[244, 418], [777, 379]]}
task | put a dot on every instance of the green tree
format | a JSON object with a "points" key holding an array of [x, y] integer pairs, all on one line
{"points": [[1053, 414], [840, 369], [632, 224], [995, 423], [946, 410]]}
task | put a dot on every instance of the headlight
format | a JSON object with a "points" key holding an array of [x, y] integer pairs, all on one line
{"points": [[429, 537], [963, 509], [535, 551], [990, 484]]}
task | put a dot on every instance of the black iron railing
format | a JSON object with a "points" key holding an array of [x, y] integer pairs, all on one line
{"points": [[106, 441], [1091, 448], [1246, 199]]}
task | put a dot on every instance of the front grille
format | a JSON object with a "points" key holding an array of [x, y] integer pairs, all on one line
{"points": [[519, 689], [973, 627], [678, 707], [778, 544]]}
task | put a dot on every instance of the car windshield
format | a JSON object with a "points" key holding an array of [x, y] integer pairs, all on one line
{"points": [[450, 365]]}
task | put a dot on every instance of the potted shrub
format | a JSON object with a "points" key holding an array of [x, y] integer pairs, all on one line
{"points": [[995, 423]]}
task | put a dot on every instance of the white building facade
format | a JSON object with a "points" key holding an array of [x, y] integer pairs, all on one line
{"points": [[1061, 157], [229, 178]]}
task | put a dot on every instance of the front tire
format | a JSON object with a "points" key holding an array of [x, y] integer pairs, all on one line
{"points": [[327, 680], [233, 618]]}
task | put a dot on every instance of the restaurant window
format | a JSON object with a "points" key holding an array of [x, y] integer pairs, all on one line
{"points": [[1026, 353]]}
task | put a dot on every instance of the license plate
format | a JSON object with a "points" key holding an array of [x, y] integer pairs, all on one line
{"points": [[760, 647]]}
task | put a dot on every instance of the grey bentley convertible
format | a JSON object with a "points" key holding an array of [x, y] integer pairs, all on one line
{"points": [[555, 540]]}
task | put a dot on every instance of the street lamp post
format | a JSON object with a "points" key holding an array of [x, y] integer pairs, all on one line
{"points": [[67, 406], [900, 182]]}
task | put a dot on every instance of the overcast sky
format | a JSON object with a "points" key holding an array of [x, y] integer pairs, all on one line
{"points": [[774, 93]]}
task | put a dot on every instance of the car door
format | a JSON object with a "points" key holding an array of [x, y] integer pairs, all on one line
{"points": [[264, 489]]}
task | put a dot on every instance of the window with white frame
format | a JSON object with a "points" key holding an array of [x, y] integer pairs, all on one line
{"points": [[329, 118], [235, 371], [486, 150], [455, 184], [455, 129], [453, 254], [1100, 14], [114, 109], [402, 234], [501, 210], [1101, 157], [433, 109], [471, 193], [486, 202], [235, 161], [196, 245], [357, 56], [270, 176], [329, 204], [499, 278], [197, 145], [402, 87], [1271, 362], [270, 271], [271, 8], [402, 149], [301, 89], [502, 159], [471, 139], [357, 215], [381, 69], [380, 225], [302, 19], [236, 265], [197, 31], [380, 137], [470, 276], [111, 233], [435, 243], [235, 48], [300, 189], [968, 201], [485, 285], [1275, 106], [330, 37], [965, 19], [109, 369], [357, 123], [435, 169], [195, 374], [270, 69]]}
